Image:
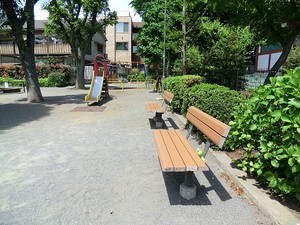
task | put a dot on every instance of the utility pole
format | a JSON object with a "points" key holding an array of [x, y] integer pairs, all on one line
{"points": [[183, 48], [164, 50]]}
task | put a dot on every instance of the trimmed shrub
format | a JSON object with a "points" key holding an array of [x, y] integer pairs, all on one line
{"points": [[217, 101], [44, 82], [267, 127], [178, 85], [57, 79], [12, 82], [16, 71]]}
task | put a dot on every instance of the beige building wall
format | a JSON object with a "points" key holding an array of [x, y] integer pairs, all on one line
{"points": [[114, 55]]}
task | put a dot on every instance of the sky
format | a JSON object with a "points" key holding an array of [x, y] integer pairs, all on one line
{"points": [[115, 5]]}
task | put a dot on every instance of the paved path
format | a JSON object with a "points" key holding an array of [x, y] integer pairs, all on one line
{"points": [[63, 167]]}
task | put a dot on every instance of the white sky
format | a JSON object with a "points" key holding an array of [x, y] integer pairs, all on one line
{"points": [[115, 5]]}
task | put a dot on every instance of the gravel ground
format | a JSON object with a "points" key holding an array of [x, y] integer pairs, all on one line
{"points": [[63, 167]]}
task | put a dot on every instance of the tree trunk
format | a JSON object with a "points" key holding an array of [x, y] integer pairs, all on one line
{"points": [[26, 49], [285, 53]]}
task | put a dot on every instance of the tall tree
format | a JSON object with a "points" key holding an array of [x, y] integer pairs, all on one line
{"points": [[76, 22], [276, 21], [150, 38], [18, 14]]}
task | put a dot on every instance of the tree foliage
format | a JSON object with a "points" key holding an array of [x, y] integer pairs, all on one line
{"points": [[18, 14], [275, 21], [210, 44], [268, 128], [76, 22]]}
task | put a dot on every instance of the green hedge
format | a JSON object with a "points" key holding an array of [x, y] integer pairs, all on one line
{"points": [[267, 127], [16, 71], [54, 80], [218, 101], [178, 85], [12, 82]]}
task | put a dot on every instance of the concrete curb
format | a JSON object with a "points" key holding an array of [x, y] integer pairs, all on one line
{"points": [[277, 212]]}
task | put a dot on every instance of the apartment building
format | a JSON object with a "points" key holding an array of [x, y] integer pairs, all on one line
{"points": [[47, 46], [121, 45]]}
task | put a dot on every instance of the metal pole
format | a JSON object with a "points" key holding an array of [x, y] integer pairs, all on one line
{"points": [[164, 50]]}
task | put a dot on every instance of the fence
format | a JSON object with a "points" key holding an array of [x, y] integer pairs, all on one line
{"points": [[237, 79]]}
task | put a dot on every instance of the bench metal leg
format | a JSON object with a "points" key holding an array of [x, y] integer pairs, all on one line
{"points": [[158, 120], [188, 189]]}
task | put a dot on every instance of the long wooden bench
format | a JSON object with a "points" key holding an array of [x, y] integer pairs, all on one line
{"points": [[176, 154], [160, 109]]}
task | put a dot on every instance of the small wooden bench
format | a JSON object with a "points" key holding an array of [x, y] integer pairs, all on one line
{"points": [[160, 109], [176, 154]]}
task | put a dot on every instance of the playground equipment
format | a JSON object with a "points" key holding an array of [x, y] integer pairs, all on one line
{"points": [[99, 84]]}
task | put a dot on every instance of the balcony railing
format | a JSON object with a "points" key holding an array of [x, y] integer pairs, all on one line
{"points": [[39, 49]]}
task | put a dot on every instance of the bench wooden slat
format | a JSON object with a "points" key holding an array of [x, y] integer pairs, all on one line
{"points": [[168, 96], [191, 151], [216, 131], [154, 107], [176, 153], [178, 163], [163, 154]]}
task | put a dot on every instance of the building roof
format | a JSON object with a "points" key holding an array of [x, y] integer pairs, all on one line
{"points": [[137, 24]]}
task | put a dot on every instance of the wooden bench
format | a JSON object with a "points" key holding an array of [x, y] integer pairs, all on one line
{"points": [[176, 154], [160, 109]]}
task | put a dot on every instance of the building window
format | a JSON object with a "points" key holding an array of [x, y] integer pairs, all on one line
{"points": [[122, 46], [100, 48], [122, 27], [134, 49]]}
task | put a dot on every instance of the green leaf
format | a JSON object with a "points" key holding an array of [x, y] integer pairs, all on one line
{"points": [[275, 163], [285, 119], [296, 168], [273, 183], [253, 127], [276, 113], [294, 102], [291, 161], [267, 155], [269, 175]]}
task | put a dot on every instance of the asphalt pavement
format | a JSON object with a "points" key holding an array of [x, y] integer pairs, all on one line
{"points": [[60, 166]]}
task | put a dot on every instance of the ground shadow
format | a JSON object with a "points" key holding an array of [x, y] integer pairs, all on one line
{"points": [[174, 179], [168, 124], [14, 114], [217, 186], [60, 99], [153, 127], [103, 101]]}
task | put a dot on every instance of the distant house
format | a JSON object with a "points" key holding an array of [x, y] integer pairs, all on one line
{"points": [[266, 56], [46, 46], [121, 43]]}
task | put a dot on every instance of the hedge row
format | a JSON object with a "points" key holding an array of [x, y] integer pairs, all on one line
{"points": [[267, 127], [190, 90], [54, 79], [178, 85], [17, 72]]}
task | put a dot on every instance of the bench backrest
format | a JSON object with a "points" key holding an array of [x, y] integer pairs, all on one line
{"points": [[168, 96], [212, 128]]}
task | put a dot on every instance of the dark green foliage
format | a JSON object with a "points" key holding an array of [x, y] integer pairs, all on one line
{"points": [[16, 72], [218, 101], [44, 82], [293, 60], [57, 79], [12, 82], [267, 127], [178, 85], [136, 75]]}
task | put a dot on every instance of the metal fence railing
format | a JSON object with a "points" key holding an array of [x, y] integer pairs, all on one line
{"points": [[237, 79]]}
